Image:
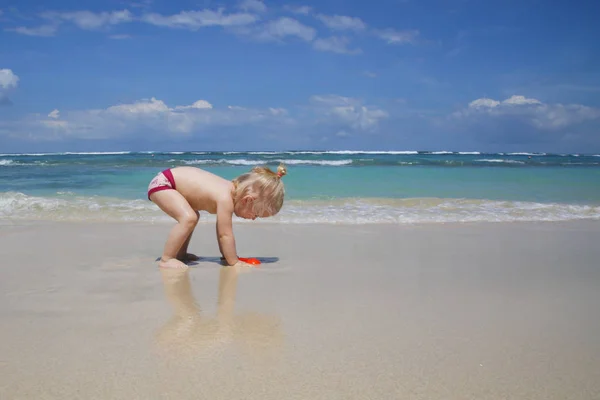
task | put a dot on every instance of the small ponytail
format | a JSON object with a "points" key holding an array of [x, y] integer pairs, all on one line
{"points": [[281, 170]]}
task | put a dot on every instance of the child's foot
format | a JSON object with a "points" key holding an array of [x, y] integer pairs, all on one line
{"points": [[172, 263]]}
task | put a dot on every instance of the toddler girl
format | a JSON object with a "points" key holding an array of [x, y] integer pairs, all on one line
{"points": [[182, 192]]}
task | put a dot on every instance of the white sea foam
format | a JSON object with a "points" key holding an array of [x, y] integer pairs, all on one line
{"points": [[581, 163], [194, 162], [349, 152], [252, 152], [436, 211], [9, 162], [95, 153], [243, 161], [497, 160], [223, 161], [84, 153], [70, 207], [374, 152], [318, 162], [332, 152], [24, 154]]}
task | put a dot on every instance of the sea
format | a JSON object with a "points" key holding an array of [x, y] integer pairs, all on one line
{"points": [[333, 187]]}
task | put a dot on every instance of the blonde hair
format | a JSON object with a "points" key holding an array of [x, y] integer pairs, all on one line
{"points": [[264, 183]]}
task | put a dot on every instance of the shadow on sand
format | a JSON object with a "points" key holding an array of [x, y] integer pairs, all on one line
{"points": [[219, 260]]}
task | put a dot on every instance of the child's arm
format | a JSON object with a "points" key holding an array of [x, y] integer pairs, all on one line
{"points": [[225, 232]]}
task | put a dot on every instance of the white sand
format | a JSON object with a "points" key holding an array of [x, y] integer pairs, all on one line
{"points": [[481, 311]]}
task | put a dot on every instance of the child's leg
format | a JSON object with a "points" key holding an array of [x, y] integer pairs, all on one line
{"points": [[183, 254], [176, 206]]}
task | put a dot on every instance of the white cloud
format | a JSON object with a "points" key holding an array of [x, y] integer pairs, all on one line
{"points": [[141, 107], [392, 36], [154, 119], [342, 22], [335, 44], [370, 74], [194, 20], [55, 124], [531, 111], [304, 10], [83, 19], [200, 104], [8, 79], [90, 20], [43, 30], [520, 100], [253, 5], [483, 103], [150, 117], [348, 111], [278, 111], [284, 26], [244, 23]]}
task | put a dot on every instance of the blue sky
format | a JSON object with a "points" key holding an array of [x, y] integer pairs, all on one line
{"points": [[266, 75]]}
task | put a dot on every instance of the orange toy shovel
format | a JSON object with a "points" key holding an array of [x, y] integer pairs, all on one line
{"points": [[251, 261]]}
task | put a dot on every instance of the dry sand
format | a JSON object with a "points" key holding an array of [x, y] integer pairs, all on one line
{"points": [[480, 311]]}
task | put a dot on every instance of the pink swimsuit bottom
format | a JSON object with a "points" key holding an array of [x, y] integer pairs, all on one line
{"points": [[163, 181]]}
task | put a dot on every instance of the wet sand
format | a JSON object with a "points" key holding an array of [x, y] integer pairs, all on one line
{"points": [[473, 311]]}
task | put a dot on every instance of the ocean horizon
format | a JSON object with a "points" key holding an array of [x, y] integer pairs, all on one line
{"points": [[322, 186]]}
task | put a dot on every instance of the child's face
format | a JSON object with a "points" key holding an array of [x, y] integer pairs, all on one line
{"points": [[244, 208]]}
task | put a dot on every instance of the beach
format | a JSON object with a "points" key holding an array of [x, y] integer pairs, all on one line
{"points": [[336, 311]]}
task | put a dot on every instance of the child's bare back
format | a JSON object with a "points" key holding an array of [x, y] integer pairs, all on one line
{"points": [[203, 190]]}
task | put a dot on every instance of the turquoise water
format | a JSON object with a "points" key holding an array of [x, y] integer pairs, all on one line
{"points": [[333, 187]]}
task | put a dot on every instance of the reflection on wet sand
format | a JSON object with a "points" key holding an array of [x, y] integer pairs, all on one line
{"points": [[191, 333]]}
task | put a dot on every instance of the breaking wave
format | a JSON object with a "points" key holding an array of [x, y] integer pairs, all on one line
{"points": [[70, 207]]}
